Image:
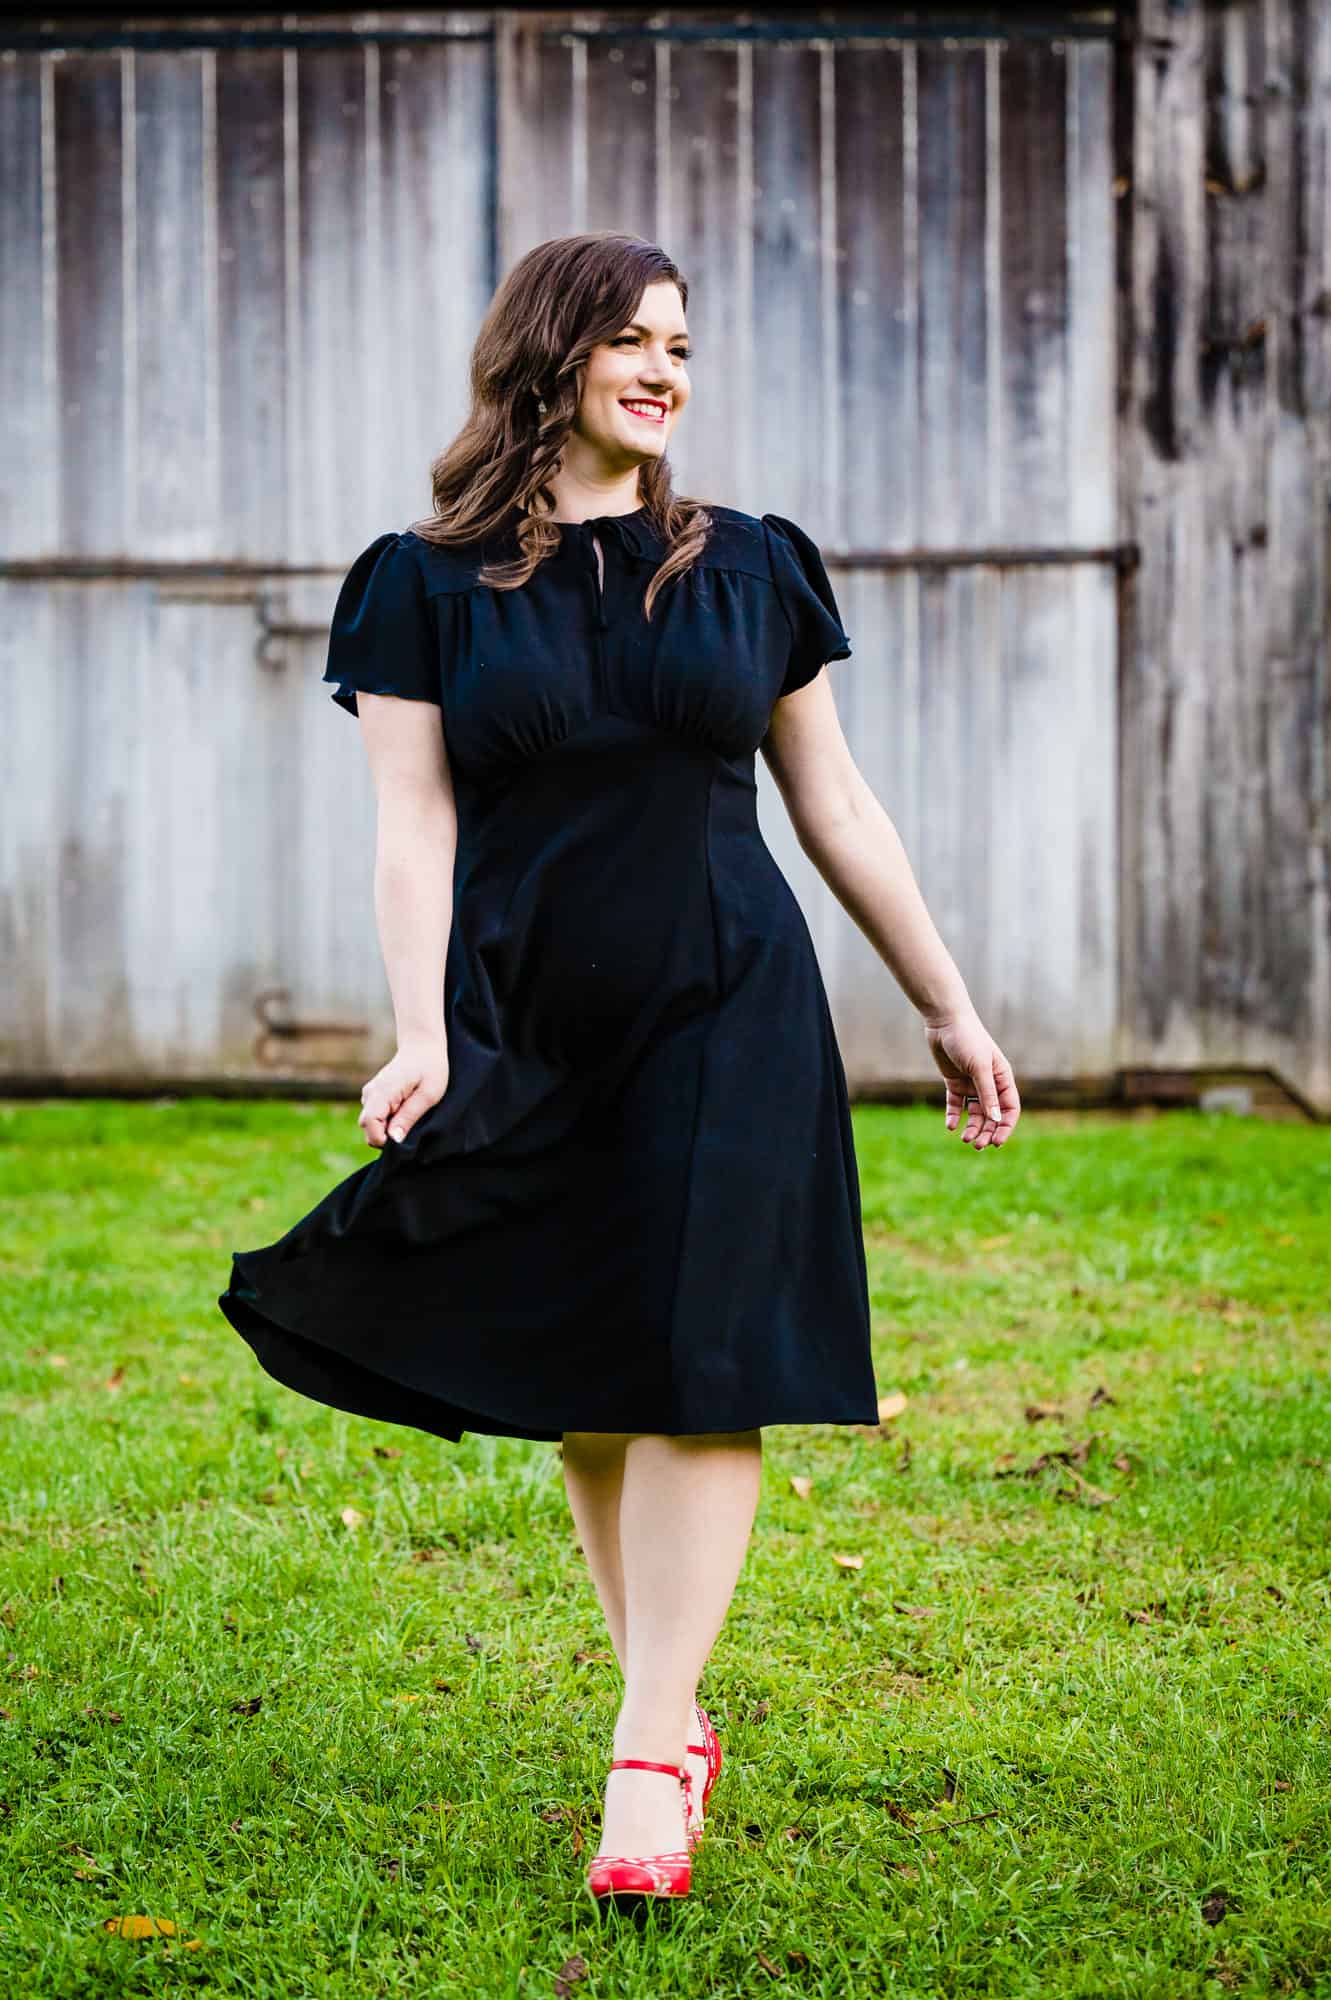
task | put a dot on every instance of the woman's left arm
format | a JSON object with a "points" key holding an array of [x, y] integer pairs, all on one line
{"points": [[847, 834]]}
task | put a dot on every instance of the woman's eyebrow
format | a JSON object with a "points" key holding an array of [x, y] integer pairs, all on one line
{"points": [[636, 326]]}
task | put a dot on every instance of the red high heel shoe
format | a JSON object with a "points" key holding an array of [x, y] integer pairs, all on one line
{"points": [[709, 1748], [635, 1878]]}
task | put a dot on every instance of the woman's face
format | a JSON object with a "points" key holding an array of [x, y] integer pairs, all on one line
{"points": [[641, 365]]}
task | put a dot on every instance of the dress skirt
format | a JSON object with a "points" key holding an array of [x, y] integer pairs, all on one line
{"points": [[636, 1206]]}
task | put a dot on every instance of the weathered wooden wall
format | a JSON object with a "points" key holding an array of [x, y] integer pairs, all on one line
{"points": [[239, 278], [1225, 460], [239, 283]]}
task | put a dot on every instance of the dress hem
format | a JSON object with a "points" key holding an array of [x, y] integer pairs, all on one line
{"points": [[298, 1363]]}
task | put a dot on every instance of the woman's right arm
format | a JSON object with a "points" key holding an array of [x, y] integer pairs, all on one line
{"points": [[415, 846]]}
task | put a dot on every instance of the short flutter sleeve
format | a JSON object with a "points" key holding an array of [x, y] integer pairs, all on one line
{"points": [[806, 595], [383, 638]]}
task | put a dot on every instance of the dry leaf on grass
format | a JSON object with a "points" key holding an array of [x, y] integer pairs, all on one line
{"points": [[350, 1518], [138, 1926], [890, 1406], [801, 1485], [1090, 1496], [849, 1562], [1036, 1412], [551, 1814], [1069, 1455]]}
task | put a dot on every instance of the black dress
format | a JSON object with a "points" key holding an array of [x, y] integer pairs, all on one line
{"points": [[636, 1206]]}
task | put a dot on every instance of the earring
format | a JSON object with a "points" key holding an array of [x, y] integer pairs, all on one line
{"points": [[540, 406]]}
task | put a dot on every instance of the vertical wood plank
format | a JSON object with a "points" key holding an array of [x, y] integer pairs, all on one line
{"points": [[704, 199], [629, 113], [540, 137], [1034, 303], [436, 196], [952, 442], [251, 306], [175, 507], [788, 335], [90, 329], [30, 831], [329, 384], [880, 302], [28, 464]]}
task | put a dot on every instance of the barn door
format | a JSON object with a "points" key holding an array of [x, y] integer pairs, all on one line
{"points": [[901, 252], [240, 271]]}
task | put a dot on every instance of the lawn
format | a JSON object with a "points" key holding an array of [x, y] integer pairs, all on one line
{"points": [[1024, 1693]]}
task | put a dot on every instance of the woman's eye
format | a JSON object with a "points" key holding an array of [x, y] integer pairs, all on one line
{"points": [[680, 353]]}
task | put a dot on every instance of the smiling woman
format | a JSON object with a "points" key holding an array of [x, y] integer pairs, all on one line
{"points": [[616, 1200]]}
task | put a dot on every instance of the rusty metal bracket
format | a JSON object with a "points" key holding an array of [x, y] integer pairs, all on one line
{"points": [[276, 626], [279, 1033]]}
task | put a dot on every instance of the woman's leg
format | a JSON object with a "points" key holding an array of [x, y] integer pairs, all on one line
{"points": [[686, 1509], [593, 1464], [593, 1480]]}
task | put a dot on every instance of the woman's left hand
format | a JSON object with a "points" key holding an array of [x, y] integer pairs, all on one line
{"points": [[975, 1067]]}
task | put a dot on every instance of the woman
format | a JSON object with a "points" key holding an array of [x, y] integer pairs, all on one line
{"points": [[615, 1201]]}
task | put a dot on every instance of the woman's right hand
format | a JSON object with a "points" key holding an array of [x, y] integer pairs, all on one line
{"points": [[407, 1085]]}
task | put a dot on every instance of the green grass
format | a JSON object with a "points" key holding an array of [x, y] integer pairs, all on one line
{"points": [[1064, 1732]]}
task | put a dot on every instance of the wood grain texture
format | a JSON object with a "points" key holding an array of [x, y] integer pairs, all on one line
{"points": [[1226, 449]]}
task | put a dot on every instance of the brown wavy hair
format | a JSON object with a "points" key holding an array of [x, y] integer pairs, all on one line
{"points": [[556, 303]]}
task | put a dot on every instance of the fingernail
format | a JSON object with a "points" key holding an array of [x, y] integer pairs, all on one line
{"points": [[395, 1131]]}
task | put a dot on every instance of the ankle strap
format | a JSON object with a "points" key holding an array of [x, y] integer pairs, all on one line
{"points": [[640, 1764]]}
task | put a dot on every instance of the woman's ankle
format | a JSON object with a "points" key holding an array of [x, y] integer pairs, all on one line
{"points": [[661, 1734]]}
